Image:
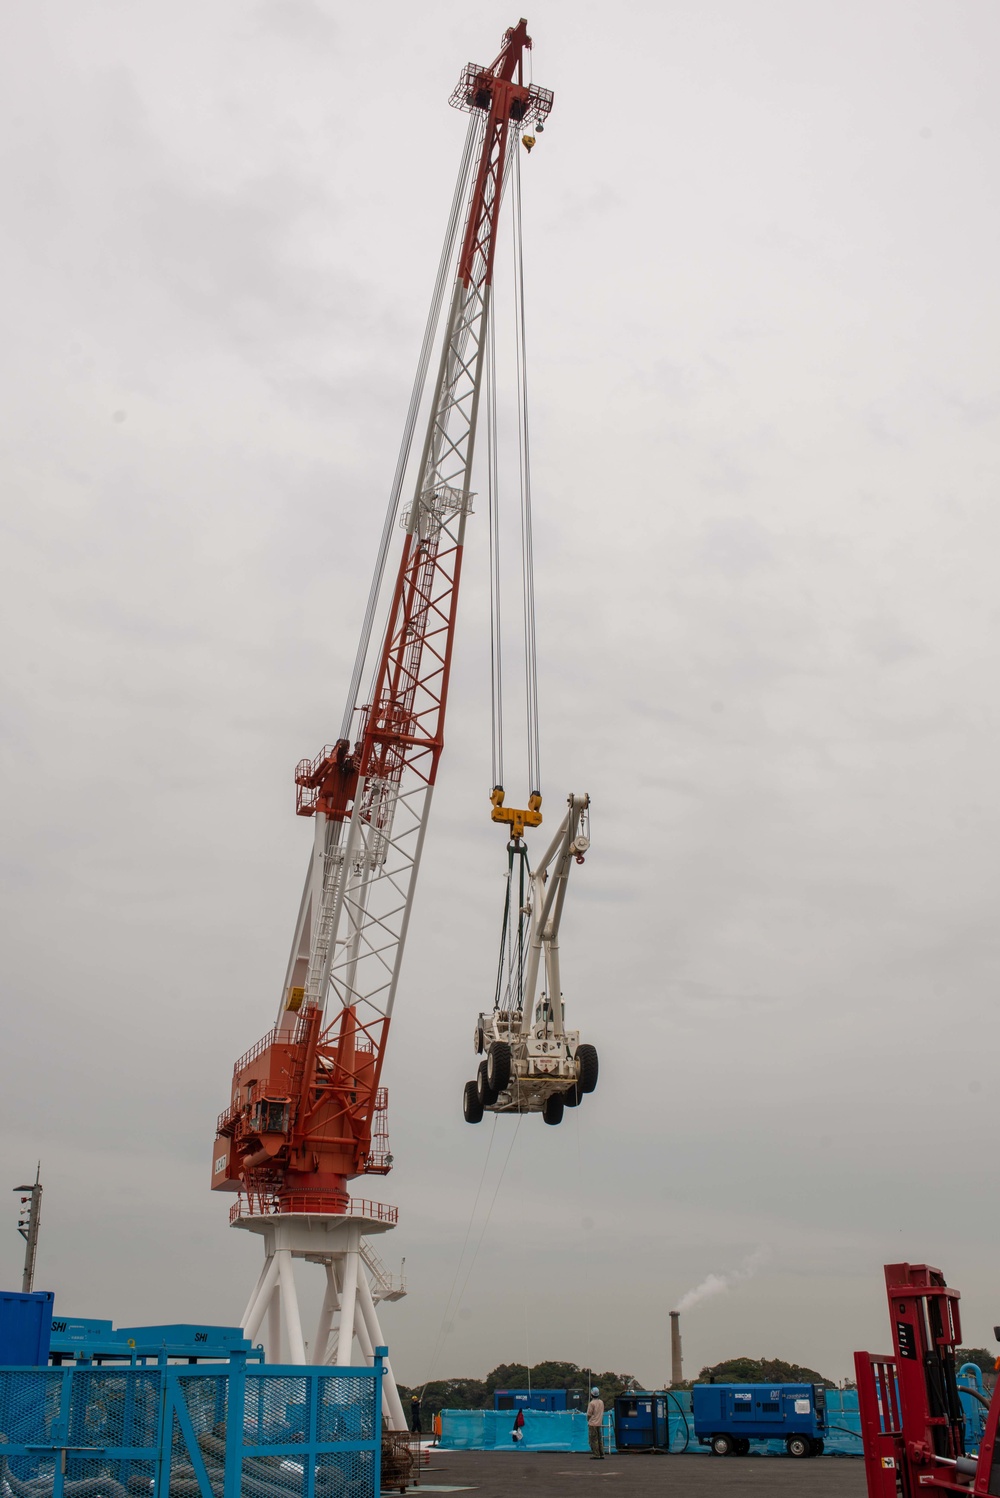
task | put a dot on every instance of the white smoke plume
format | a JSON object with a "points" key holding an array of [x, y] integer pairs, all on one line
{"points": [[717, 1284]]}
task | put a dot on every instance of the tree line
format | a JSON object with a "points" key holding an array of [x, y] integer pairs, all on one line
{"points": [[477, 1393]]}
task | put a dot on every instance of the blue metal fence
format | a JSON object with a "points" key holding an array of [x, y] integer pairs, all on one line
{"points": [[212, 1431]]}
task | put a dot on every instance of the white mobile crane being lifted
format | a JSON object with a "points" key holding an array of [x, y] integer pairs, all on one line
{"points": [[532, 1063]]}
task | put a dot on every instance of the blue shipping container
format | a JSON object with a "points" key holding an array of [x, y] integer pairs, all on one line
{"points": [[529, 1399], [728, 1417], [25, 1328]]}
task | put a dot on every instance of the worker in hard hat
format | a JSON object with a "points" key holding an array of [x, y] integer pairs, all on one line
{"points": [[595, 1425], [415, 1414]]}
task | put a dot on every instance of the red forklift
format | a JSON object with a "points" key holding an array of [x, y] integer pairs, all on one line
{"points": [[912, 1421]]}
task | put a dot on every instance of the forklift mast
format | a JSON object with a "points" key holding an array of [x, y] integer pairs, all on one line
{"points": [[912, 1422]]}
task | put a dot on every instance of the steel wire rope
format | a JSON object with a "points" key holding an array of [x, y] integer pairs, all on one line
{"points": [[496, 635], [524, 465], [489, 1214], [493, 489], [442, 1333], [413, 410], [504, 931], [486, 1223], [586, 1256], [522, 923]]}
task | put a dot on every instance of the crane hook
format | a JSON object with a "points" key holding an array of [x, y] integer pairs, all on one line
{"points": [[527, 142]]}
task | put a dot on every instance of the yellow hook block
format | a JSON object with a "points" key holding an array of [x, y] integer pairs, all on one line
{"points": [[527, 142], [517, 820]]}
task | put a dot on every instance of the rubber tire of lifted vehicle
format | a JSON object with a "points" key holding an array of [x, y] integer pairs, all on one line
{"points": [[572, 1097], [799, 1446], [552, 1108], [498, 1064], [586, 1060], [484, 1092], [471, 1106], [721, 1445]]}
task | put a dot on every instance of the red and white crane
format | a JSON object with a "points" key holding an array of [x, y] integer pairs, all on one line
{"points": [[307, 1110]]}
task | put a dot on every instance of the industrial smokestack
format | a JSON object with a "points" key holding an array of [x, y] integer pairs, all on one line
{"points": [[676, 1370]]}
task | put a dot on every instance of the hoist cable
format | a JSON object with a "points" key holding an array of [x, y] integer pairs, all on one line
{"points": [[496, 636], [448, 250], [509, 995], [522, 922], [524, 454], [444, 1327], [504, 929]]}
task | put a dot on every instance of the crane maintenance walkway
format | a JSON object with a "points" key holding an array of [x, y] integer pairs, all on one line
{"points": [[523, 1474]]}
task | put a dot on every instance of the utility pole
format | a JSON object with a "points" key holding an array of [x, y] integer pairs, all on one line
{"points": [[28, 1225]]}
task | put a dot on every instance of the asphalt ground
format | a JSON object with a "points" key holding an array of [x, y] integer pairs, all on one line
{"points": [[523, 1474]]}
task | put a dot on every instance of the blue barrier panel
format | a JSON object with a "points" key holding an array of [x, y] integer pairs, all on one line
{"points": [[210, 1431], [492, 1430]]}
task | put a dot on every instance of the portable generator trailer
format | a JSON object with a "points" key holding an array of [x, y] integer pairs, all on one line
{"points": [[727, 1417], [912, 1420]]}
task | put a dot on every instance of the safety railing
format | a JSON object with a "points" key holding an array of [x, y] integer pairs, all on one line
{"points": [[325, 1206], [211, 1431]]}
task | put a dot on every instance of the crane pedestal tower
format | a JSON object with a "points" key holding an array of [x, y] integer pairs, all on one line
{"points": [[349, 1303]]}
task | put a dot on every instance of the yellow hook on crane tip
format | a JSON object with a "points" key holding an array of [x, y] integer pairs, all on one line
{"points": [[527, 142]]}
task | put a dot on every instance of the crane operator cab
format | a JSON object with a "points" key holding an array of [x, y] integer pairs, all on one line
{"points": [[530, 1062]]}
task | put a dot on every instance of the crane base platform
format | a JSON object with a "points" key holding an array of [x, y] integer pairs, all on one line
{"points": [[356, 1279]]}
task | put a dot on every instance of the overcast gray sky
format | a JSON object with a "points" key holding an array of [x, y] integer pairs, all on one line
{"points": [[761, 246]]}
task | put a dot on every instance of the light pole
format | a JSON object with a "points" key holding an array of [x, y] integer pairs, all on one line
{"points": [[28, 1225]]}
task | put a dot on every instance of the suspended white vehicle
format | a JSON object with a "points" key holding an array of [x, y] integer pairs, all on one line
{"points": [[531, 1062]]}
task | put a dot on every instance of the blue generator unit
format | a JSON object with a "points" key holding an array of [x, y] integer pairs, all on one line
{"points": [[728, 1417], [641, 1422], [25, 1328]]}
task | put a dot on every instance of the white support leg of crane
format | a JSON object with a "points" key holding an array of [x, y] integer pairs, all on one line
{"points": [[348, 1298], [369, 1335], [245, 1321], [331, 1303], [274, 1351], [391, 1402], [260, 1298], [290, 1307]]}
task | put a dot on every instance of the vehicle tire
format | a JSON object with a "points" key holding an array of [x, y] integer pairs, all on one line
{"points": [[817, 1446], [498, 1063], [471, 1106], [799, 1446], [484, 1092], [586, 1061], [572, 1097], [552, 1108], [721, 1445], [480, 1040], [741, 1446]]}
